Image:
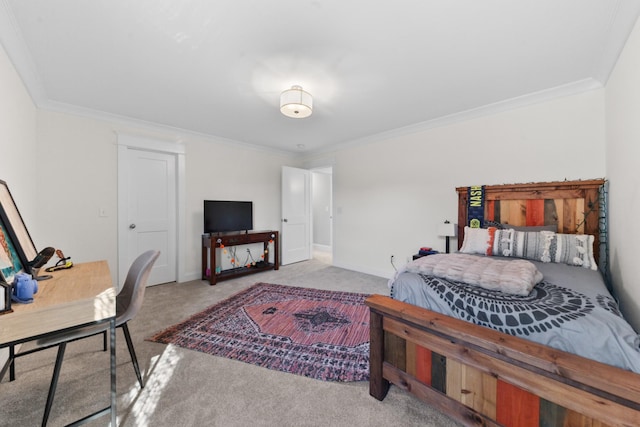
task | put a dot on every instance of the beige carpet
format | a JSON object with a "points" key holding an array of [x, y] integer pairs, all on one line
{"points": [[189, 388]]}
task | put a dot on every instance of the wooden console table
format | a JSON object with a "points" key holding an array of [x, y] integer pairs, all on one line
{"points": [[210, 243]]}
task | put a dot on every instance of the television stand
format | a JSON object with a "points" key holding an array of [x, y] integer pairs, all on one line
{"points": [[211, 243]]}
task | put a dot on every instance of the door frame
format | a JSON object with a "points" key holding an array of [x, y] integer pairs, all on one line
{"points": [[178, 150], [319, 164], [328, 170]]}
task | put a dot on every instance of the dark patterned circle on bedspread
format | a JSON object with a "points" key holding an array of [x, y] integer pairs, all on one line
{"points": [[609, 304], [546, 307]]}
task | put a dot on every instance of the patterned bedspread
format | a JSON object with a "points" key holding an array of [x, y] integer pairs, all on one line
{"points": [[570, 310]]}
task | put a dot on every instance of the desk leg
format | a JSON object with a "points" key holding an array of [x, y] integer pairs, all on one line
{"points": [[112, 332], [12, 363]]}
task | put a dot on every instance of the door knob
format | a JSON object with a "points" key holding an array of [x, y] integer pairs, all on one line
{"points": [[132, 226], [284, 220]]}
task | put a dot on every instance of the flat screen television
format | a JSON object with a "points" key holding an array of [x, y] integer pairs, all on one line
{"points": [[224, 215]]}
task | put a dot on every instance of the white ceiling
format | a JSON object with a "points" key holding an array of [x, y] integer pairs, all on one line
{"points": [[374, 67]]}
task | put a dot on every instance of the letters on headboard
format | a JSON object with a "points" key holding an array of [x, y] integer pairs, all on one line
{"points": [[476, 206]]}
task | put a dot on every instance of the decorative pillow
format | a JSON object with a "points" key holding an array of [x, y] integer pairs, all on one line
{"points": [[501, 226], [523, 244], [496, 224], [551, 227], [546, 246], [575, 249], [478, 240]]}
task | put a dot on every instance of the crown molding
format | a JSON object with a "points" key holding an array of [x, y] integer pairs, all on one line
{"points": [[128, 125], [568, 89]]}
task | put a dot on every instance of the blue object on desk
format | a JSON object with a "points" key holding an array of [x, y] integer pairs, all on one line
{"points": [[24, 287]]}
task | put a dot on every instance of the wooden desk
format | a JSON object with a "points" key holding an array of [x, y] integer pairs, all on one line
{"points": [[73, 298]]}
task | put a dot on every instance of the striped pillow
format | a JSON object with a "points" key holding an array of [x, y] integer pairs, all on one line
{"points": [[546, 246]]}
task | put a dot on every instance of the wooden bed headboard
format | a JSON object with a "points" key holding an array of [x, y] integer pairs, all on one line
{"points": [[573, 206]]}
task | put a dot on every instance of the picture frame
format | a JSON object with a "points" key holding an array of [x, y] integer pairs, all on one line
{"points": [[16, 246], [11, 263], [5, 298]]}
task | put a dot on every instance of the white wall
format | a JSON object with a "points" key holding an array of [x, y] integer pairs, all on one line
{"points": [[18, 166], [390, 196], [77, 175], [17, 147], [77, 172], [623, 159], [223, 172]]}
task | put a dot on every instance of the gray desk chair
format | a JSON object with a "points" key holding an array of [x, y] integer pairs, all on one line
{"points": [[128, 303]]}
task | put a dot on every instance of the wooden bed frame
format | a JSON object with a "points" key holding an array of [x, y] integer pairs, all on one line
{"points": [[482, 377]]}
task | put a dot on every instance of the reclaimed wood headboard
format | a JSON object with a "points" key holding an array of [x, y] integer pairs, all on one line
{"points": [[573, 206]]}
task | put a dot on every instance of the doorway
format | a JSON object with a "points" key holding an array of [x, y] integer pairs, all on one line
{"points": [[307, 215], [150, 187], [322, 214]]}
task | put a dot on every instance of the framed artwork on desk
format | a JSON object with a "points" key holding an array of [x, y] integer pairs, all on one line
{"points": [[10, 262], [5, 298], [16, 246]]}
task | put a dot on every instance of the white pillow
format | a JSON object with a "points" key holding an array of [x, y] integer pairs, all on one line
{"points": [[478, 240]]}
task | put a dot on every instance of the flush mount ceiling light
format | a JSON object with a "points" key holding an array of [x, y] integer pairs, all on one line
{"points": [[296, 103]]}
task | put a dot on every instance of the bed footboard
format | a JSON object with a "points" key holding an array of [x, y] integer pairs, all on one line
{"points": [[482, 377]]}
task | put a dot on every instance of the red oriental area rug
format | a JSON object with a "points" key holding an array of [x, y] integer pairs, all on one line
{"points": [[315, 333]]}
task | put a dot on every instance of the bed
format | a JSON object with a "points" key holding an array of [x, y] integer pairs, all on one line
{"points": [[494, 376]]}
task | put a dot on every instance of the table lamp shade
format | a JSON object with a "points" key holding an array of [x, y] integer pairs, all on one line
{"points": [[447, 229]]}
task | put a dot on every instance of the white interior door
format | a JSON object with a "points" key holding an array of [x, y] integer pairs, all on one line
{"points": [[150, 218], [296, 215]]}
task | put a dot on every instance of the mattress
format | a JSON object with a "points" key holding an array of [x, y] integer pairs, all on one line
{"points": [[570, 310]]}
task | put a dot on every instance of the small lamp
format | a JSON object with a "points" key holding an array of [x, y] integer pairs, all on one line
{"points": [[447, 230]]}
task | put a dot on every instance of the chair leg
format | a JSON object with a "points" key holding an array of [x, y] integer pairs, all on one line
{"points": [[104, 341], [132, 352], [54, 383]]}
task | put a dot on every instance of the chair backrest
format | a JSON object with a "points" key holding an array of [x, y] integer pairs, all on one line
{"points": [[129, 299]]}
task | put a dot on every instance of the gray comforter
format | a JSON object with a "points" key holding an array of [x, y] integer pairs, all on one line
{"points": [[570, 310]]}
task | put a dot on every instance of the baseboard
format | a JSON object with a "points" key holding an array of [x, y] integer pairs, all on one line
{"points": [[365, 270], [192, 276], [360, 269]]}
